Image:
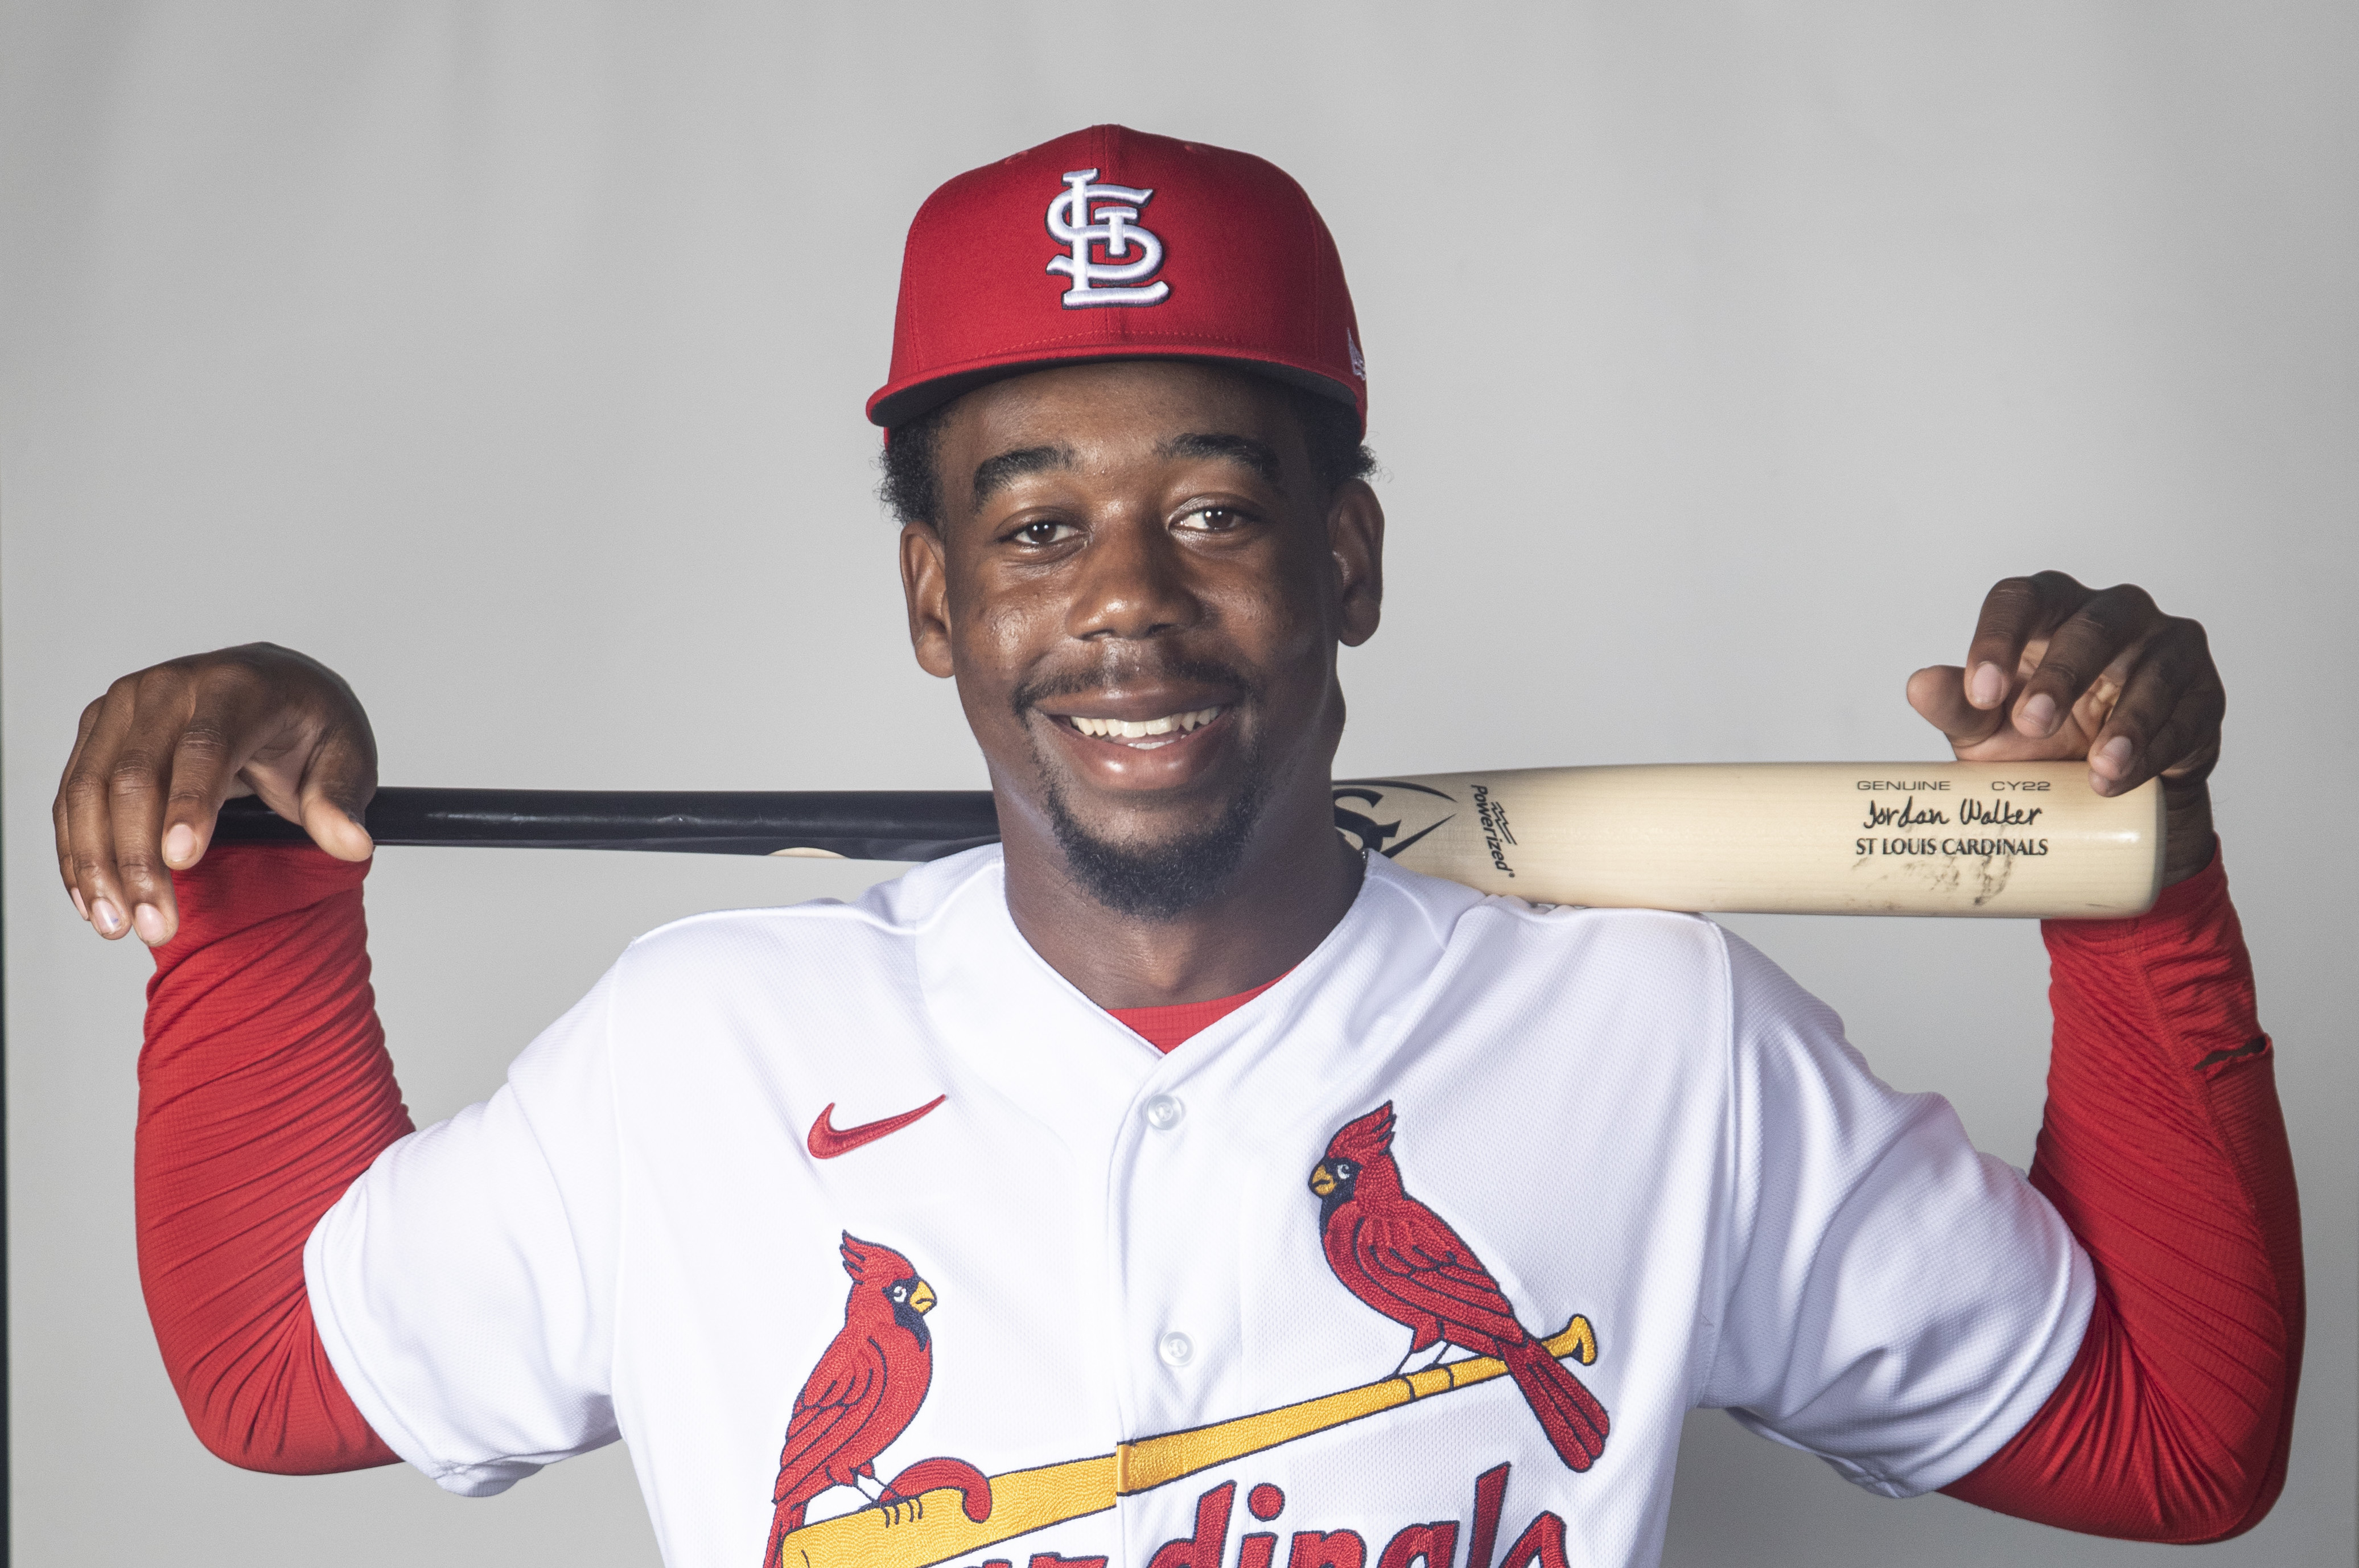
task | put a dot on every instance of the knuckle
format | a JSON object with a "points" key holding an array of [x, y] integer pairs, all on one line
{"points": [[204, 741], [2010, 601], [2109, 628], [132, 773], [2178, 654], [2139, 713], [161, 686], [249, 661], [2120, 607], [2177, 660], [2009, 614], [2060, 669], [83, 787]]}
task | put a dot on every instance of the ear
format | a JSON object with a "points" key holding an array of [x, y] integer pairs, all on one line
{"points": [[1356, 537], [925, 588]]}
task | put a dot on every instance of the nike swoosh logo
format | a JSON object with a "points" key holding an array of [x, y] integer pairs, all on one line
{"points": [[826, 1141]]}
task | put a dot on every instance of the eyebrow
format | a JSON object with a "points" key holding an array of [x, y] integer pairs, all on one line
{"points": [[1259, 456], [993, 472]]}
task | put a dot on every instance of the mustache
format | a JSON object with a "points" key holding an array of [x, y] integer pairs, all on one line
{"points": [[1029, 695]]}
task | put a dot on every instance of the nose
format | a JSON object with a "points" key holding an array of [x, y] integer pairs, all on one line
{"points": [[1131, 584], [921, 1299], [1323, 1181]]}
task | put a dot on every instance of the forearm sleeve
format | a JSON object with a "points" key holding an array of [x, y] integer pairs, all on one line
{"points": [[2164, 1150], [264, 1091]]}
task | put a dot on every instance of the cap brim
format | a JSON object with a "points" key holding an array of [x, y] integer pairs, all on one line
{"points": [[898, 406]]}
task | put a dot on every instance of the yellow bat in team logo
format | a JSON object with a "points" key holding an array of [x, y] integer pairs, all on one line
{"points": [[933, 1528]]}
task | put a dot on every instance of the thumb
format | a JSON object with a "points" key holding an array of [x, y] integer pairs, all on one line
{"points": [[1938, 692]]}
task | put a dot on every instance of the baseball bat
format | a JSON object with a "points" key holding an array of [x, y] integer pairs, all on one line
{"points": [[2027, 840]]}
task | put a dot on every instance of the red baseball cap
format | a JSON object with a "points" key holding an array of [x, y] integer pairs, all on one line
{"points": [[1112, 244]]}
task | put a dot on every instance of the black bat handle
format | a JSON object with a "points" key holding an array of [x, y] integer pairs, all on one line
{"points": [[870, 824]]}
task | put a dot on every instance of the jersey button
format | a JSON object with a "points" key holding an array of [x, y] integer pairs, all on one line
{"points": [[1175, 1349], [1163, 1112]]}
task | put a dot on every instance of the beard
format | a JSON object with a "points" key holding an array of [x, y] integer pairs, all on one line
{"points": [[1163, 879]]}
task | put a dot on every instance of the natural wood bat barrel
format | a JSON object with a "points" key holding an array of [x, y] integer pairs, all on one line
{"points": [[1821, 838]]}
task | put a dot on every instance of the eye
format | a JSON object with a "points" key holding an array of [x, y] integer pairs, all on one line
{"points": [[1213, 520], [899, 1292], [1045, 531]]}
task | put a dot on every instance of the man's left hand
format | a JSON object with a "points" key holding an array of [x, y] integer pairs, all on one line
{"points": [[2058, 671]]}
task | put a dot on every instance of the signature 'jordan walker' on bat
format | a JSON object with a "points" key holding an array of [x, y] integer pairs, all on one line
{"points": [[1080, 1073]]}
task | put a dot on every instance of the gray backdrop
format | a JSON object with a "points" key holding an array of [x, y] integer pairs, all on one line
{"points": [[510, 358]]}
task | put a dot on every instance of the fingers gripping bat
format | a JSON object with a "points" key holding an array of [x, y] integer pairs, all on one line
{"points": [[2029, 839]]}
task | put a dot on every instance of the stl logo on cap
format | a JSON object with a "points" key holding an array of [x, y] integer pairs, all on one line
{"points": [[1076, 223]]}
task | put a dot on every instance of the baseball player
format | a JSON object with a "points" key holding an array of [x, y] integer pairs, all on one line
{"points": [[1174, 1185]]}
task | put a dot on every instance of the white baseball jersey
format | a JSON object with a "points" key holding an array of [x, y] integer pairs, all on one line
{"points": [[876, 1174]]}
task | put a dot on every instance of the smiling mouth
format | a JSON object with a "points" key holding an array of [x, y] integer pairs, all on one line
{"points": [[1145, 735]]}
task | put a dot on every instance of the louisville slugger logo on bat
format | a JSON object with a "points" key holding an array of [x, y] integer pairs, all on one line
{"points": [[1366, 833], [1417, 800]]}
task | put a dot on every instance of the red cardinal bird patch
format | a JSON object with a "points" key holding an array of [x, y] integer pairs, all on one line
{"points": [[1403, 1259], [865, 1391]]}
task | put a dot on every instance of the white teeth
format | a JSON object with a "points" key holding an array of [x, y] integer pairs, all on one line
{"points": [[1138, 729]]}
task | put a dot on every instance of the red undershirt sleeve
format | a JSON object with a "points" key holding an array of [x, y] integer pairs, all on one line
{"points": [[264, 1091], [2164, 1150]]}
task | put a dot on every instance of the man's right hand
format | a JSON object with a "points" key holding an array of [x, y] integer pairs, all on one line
{"points": [[158, 754]]}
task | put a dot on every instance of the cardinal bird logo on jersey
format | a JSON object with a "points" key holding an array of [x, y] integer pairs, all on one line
{"points": [[1403, 1259], [863, 1392]]}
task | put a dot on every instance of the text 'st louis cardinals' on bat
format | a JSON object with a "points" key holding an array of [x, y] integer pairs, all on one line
{"points": [[2029, 839]]}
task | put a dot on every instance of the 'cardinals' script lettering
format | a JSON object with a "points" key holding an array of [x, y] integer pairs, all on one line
{"points": [[1427, 1544]]}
